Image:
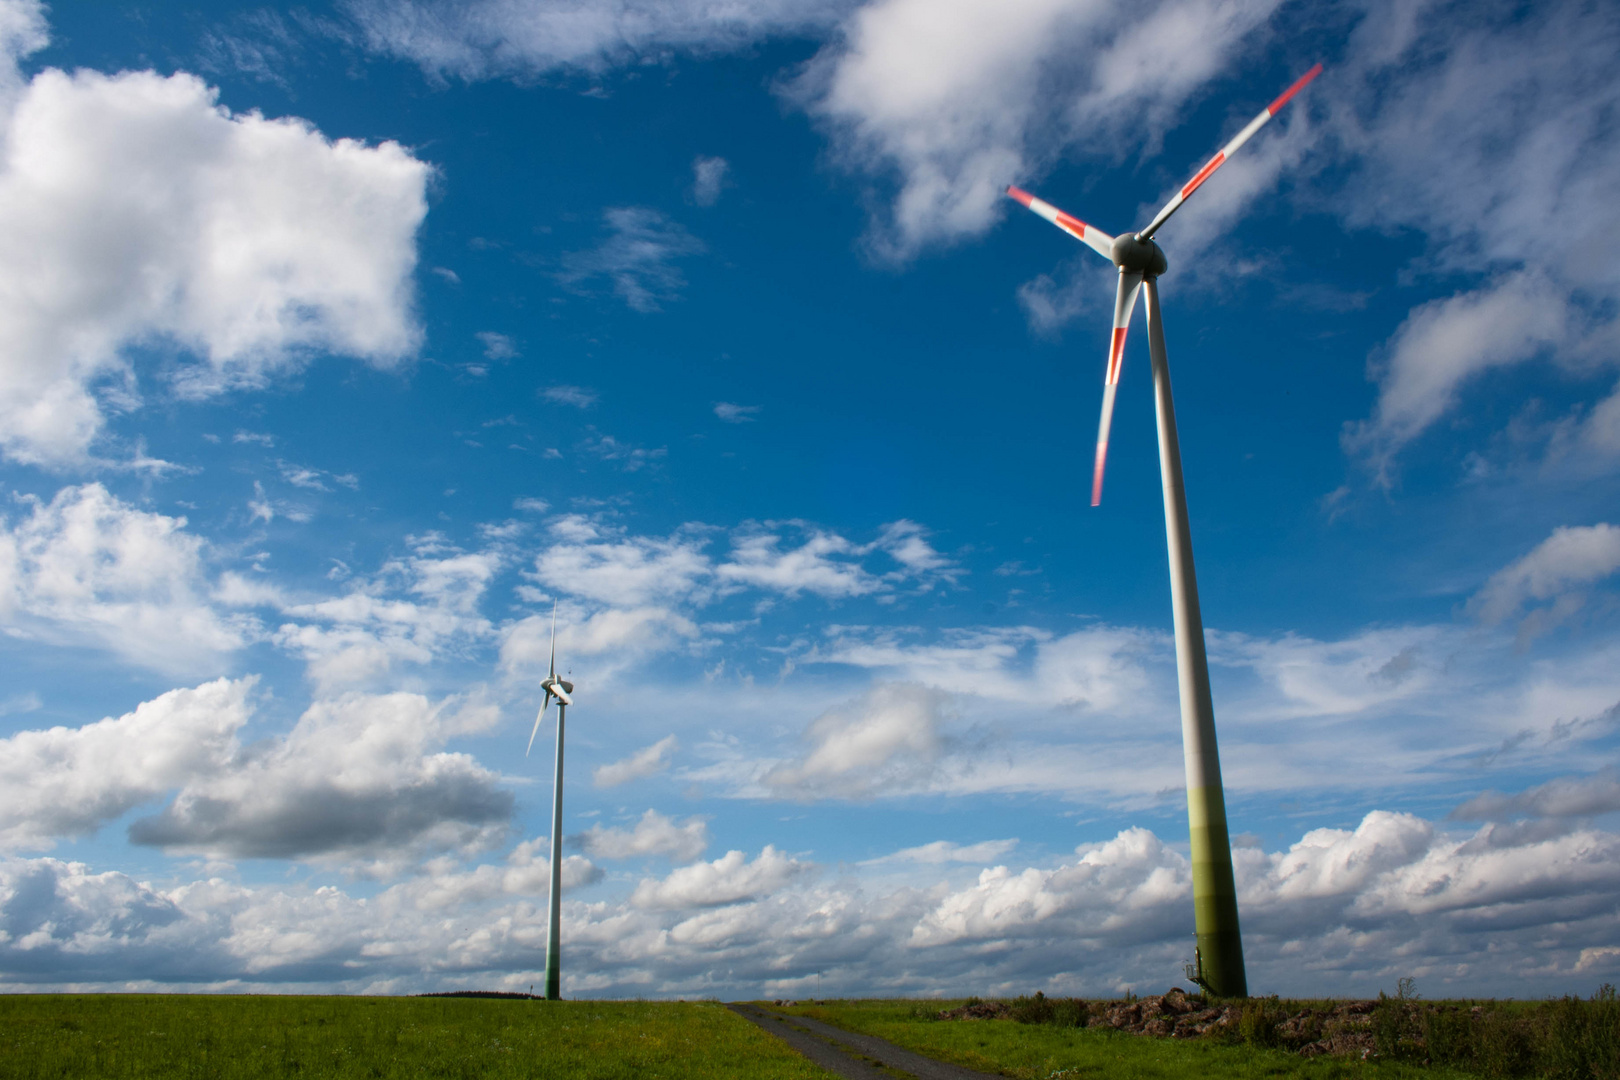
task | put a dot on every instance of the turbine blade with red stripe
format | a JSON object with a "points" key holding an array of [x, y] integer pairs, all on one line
{"points": [[1091, 236], [1227, 151], [1130, 286]]}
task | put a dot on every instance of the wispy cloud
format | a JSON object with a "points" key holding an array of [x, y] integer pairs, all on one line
{"points": [[638, 257], [736, 414], [710, 176], [579, 397]]}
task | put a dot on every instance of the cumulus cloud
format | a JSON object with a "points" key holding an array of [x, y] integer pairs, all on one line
{"points": [[887, 741], [64, 782], [1129, 883], [359, 776], [727, 880], [815, 566], [653, 834], [1559, 569], [638, 258], [647, 761], [590, 560], [1343, 911], [413, 610], [617, 636], [87, 567], [494, 38], [441, 886], [137, 210]]}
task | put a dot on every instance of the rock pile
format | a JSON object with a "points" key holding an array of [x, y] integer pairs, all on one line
{"points": [[1344, 1028]]}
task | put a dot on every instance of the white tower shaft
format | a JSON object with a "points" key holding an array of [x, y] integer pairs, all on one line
{"points": [[554, 919], [1215, 913]]}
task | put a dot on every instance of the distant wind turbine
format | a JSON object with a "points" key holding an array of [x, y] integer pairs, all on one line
{"points": [[1219, 959], [562, 690]]}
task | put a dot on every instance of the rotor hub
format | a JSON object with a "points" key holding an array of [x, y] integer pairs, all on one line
{"points": [[1138, 256]]}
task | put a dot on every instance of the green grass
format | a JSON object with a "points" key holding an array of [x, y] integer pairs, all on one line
{"points": [[223, 1037], [1043, 1051]]}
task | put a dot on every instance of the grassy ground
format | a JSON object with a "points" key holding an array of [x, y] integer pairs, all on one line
{"points": [[221, 1037], [1042, 1051]]}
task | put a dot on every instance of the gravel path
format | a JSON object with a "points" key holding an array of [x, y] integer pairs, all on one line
{"points": [[855, 1057]]}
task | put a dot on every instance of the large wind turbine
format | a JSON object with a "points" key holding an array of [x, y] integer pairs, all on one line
{"points": [[562, 690], [1219, 959]]}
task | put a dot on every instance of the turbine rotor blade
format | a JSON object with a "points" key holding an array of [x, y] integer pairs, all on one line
{"points": [[541, 715], [554, 639], [1092, 237], [1130, 286], [1227, 151]]}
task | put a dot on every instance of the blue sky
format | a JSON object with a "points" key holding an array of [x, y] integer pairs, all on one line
{"points": [[337, 343]]}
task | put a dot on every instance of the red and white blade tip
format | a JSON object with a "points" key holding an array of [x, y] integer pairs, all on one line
{"points": [[1090, 235], [1227, 151], [1299, 84]]}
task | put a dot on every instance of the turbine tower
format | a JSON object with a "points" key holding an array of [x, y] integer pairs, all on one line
{"points": [[1219, 958], [562, 690]]}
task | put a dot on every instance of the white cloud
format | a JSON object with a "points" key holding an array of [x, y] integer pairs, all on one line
{"points": [[948, 851], [64, 782], [1558, 569], [653, 834], [496, 346], [1565, 796], [1488, 132], [416, 609], [134, 209], [87, 567], [1444, 343], [648, 761], [887, 742], [733, 413], [727, 880], [638, 258], [358, 777], [609, 566], [757, 560], [709, 178], [1114, 890], [493, 38], [524, 872], [629, 457], [957, 100], [578, 396], [1341, 912]]}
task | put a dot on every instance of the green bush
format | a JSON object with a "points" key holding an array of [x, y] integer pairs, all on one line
{"points": [[1032, 1010], [1397, 1030], [1257, 1024], [1582, 1039], [1504, 1043]]}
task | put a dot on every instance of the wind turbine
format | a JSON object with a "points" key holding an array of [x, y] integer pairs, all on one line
{"points": [[1219, 958], [562, 690]]}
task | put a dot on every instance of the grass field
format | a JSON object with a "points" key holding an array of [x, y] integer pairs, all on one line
{"points": [[1047, 1052], [123, 1037]]}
